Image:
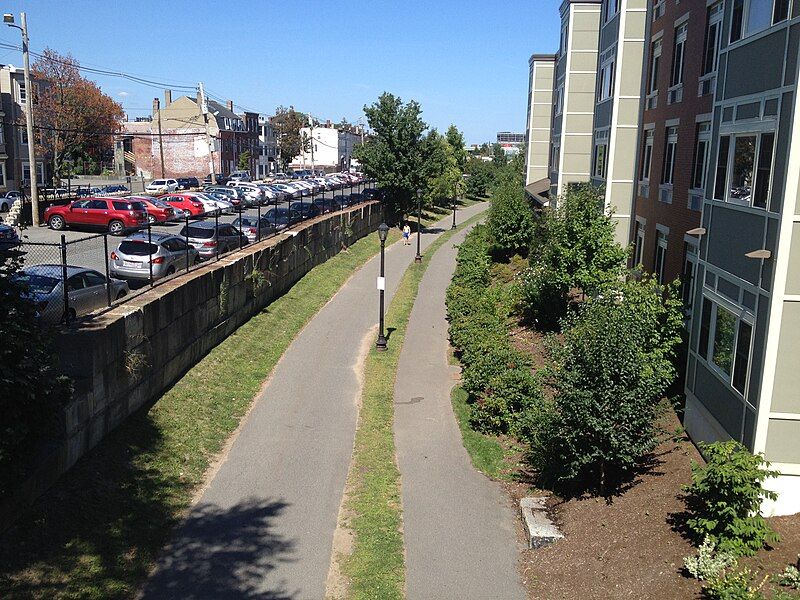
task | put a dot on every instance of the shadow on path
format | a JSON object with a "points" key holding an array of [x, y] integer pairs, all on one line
{"points": [[223, 553]]}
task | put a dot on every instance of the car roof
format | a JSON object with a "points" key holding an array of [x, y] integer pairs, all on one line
{"points": [[205, 224], [154, 236], [52, 270]]}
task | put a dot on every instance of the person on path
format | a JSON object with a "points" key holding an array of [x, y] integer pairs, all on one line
{"points": [[406, 234]]}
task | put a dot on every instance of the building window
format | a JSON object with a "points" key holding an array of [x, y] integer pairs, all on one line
{"points": [[688, 274], [724, 343], [23, 136], [750, 177], [600, 160], [661, 255], [713, 35], [638, 251], [26, 172], [677, 55], [751, 16], [658, 9], [559, 100], [554, 158], [2, 173], [606, 79], [2, 134], [612, 7], [647, 155], [702, 152], [670, 148], [563, 44], [22, 92], [655, 60]]}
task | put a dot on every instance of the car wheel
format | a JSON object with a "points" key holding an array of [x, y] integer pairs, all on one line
{"points": [[71, 314], [170, 270], [116, 228], [121, 294], [56, 223], [197, 261], [151, 219], [4, 207]]}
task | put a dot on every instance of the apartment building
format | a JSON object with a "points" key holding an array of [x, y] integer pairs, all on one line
{"points": [[678, 84], [267, 149], [620, 56], [574, 84], [329, 147], [537, 132], [742, 373]]}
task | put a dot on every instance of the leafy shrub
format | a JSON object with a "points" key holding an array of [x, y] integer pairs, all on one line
{"points": [[708, 564], [734, 586], [505, 399], [483, 363], [511, 220], [615, 361], [724, 498], [791, 575]]}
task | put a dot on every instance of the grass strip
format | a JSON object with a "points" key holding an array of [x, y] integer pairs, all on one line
{"points": [[485, 452], [376, 567], [97, 532]]}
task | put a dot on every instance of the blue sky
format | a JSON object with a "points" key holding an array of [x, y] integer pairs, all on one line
{"points": [[466, 62]]}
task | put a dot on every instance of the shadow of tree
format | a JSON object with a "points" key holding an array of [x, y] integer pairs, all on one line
{"points": [[223, 553]]}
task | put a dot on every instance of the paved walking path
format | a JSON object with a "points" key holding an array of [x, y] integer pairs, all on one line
{"points": [[264, 526], [458, 525]]}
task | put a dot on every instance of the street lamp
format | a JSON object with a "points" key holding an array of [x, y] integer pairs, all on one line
{"points": [[383, 232], [418, 257], [8, 19], [455, 200]]}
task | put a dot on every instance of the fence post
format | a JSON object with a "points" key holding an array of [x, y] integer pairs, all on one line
{"points": [[241, 230], [64, 277], [275, 217], [187, 241], [150, 251], [258, 222], [216, 232], [108, 273]]}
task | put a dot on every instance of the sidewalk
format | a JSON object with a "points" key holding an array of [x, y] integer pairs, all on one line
{"points": [[264, 526], [458, 525]]}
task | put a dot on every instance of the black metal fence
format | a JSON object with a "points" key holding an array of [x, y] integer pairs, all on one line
{"points": [[207, 237]]}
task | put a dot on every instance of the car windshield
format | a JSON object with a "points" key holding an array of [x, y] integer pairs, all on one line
{"points": [[137, 248], [158, 182], [159, 203], [245, 222], [38, 284], [203, 233], [128, 205]]}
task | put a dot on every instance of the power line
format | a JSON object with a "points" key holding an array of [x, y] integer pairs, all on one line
{"points": [[141, 134]]}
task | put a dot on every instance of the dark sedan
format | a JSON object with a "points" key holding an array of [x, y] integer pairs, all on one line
{"points": [[306, 210]]}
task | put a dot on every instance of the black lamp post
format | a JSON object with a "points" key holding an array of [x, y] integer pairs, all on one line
{"points": [[455, 201], [418, 257], [383, 231]]}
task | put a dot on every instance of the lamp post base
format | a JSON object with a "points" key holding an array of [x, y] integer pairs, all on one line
{"points": [[454, 226], [418, 259], [381, 344]]}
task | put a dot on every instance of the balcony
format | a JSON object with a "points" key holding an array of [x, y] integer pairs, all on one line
{"points": [[665, 193], [675, 94], [707, 84], [644, 189], [695, 199]]}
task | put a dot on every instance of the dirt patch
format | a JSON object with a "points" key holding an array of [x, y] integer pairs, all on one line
{"points": [[532, 342]]}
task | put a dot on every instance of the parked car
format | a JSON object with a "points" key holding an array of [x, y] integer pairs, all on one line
{"points": [[158, 211], [280, 195], [282, 218], [326, 205], [115, 215], [166, 253], [186, 183], [232, 200], [9, 238], [232, 194], [240, 176], [287, 189], [250, 226], [306, 210], [343, 200], [185, 202], [356, 197], [114, 188], [211, 239], [213, 205], [86, 290], [8, 199], [252, 191], [372, 194], [162, 186], [218, 180]]}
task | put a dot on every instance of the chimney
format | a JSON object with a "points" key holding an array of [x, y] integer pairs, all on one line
{"points": [[230, 105], [167, 97], [156, 106]]}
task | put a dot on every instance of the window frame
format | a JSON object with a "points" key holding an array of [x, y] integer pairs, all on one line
{"points": [[678, 67], [660, 255], [647, 156], [656, 50], [605, 81], [638, 247], [744, 31], [670, 142], [757, 173], [715, 15], [702, 137]]}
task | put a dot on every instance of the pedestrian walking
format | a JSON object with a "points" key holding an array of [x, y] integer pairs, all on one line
{"points": [[406, 235]]}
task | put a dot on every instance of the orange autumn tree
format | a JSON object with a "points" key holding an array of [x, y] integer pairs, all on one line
{"points": [[73, 117]]}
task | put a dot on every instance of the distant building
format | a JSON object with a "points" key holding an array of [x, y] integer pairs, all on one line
{"points": [[330, 148], [267, 149], [511, 143]]}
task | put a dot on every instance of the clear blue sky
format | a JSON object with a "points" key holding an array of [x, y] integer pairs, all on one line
{"points": [[465, 62]]}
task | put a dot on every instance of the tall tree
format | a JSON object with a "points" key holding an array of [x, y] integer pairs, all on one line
{"points": [[443, 173], [499, 157], [456, 140], [394, 154], [74, 117], [287, 123]]}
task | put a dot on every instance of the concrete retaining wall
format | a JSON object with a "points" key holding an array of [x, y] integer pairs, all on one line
{"points": [[125, 358]]}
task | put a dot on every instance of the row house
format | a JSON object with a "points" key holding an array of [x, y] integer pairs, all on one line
{"points": [[267, 149], [691, 132]]}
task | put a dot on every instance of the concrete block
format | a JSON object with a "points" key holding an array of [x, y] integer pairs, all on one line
{"points": [[539, 529]]}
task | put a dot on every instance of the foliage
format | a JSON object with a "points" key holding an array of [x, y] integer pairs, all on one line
{"points": [[32, 394], [455, 139], [615, 361], [442, 166], [287, 124], [575, 250], [708, 563], [75, 119], [499, 156], [791, 575], [244, 160], [511, 220], [724, 498], [480, 177], [394, 155], [734, 586]]}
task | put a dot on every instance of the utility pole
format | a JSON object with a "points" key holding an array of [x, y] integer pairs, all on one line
{"points": [[204, 110], [160, 139], [8, 19], [311, 127]]}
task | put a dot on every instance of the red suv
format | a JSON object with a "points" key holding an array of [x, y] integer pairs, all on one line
{"points": [[158, 211], [115, 214], [185, 201]]}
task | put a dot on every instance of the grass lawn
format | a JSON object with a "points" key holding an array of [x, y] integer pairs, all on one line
{"points": [[376, 567], [97, 532]]}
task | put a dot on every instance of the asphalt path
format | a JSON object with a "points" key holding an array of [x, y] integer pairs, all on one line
{"points": [[264, 526], [458, 525]]}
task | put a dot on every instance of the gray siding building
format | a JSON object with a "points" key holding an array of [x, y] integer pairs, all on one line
{"points": [[540, 115], [743, 371]]}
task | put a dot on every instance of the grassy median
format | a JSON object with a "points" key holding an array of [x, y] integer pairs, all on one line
{"points": [[97, 532], [376, 568]]}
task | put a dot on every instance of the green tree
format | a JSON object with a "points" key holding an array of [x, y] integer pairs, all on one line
{"points": [[287, 123], [244, 161], [394, 153], [456, 141], [443, 176], [511, 219], [575, 253], [32, 394], [615, 361], [480, 177], [499, 157]]}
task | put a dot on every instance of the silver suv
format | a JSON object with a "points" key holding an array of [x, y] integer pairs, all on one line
{"points": [[166, 252], [211, 239]]}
